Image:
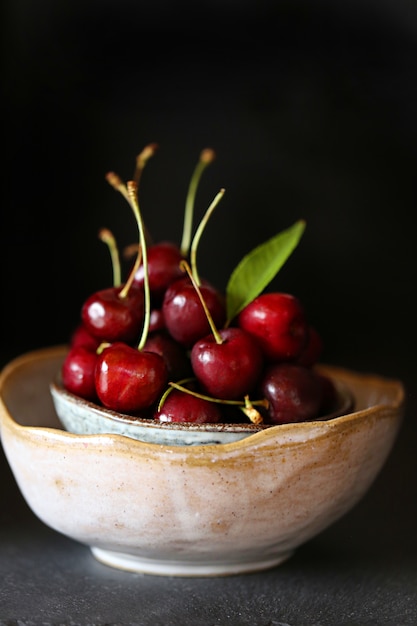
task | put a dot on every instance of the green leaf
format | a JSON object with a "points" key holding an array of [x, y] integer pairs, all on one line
{"points": [[256, 270]]}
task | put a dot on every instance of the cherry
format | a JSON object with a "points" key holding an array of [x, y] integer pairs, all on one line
{"points": [[110, 316], [163, 268], [278, 322], [164, 257], [328, 394], [174, 354], [226, 363], [267, 347], [179, 406], [82, 337], [294, 393], [311, 352], [231, 410], [229, 369], [115, 313], [185, 318], [156, 320], [129, 380], [78, 372]]}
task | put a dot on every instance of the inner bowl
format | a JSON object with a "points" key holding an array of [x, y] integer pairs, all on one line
{"points": [[83, 417], [193, 510]]}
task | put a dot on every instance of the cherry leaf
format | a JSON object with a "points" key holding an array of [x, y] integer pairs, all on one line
{"points": [[257, 269]]}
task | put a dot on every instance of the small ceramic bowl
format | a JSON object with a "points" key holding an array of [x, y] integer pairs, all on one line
{"points": [[85, 418], [193, 510]]}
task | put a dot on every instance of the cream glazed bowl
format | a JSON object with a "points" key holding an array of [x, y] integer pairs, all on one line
{"points": [[193, 510]]}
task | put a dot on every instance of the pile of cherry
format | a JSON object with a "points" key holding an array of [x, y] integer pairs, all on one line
{"points": [[168, 345]]}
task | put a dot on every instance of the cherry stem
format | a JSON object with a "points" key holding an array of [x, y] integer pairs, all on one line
{"points": [[107, 237], [102, 346], [206, 157], [130, 251], [119, 185], [141, 160], [133, 194], [184, 265], [170, 388], [246, 403], [251, 412], [126, 287], [199, 232]]}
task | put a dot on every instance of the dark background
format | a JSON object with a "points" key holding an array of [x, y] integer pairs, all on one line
{"points": [[311, 109]]}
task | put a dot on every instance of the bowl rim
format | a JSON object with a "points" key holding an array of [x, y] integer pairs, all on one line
{"points": [[271, 431], [346, 403]]}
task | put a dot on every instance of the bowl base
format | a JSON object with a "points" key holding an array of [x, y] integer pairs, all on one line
{"points": [[156, 567]]}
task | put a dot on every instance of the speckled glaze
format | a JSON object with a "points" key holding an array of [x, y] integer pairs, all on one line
{"points": [[199, 510]]}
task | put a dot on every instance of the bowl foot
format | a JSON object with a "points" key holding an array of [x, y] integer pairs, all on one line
{"points": [[156, 567]]}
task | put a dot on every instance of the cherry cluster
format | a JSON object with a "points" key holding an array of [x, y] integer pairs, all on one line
{"points": [[161, 344]]}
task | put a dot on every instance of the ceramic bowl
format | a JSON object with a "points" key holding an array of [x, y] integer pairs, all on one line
{"points": [[85, 418], [193, 510]]}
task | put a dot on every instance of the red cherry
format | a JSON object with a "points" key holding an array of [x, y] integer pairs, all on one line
{"points": [[180, 406], [78, 372], [184, 314], [110, 317], [329, 394], [294, 393], [129, 380], [81, 337], [156, 320], [278, 322], [311, 353], [227, 370], [163, 268], [174, 354]]}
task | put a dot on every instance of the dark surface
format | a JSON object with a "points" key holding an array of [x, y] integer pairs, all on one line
{"points": [[311, 110], [362, 571]]}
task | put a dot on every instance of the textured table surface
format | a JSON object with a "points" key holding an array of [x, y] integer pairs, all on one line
{"points": [[362, 571]]}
